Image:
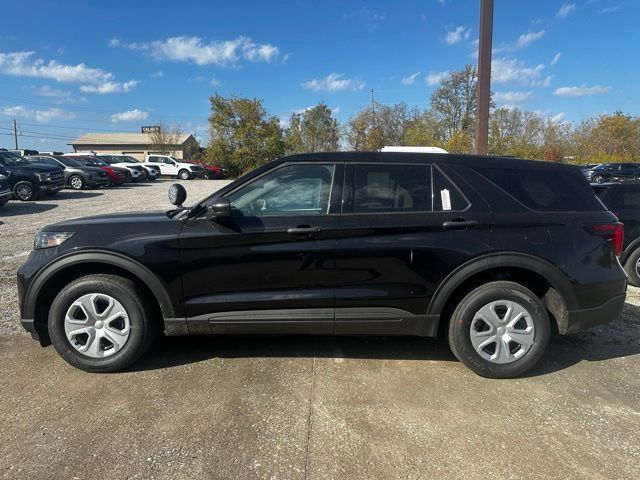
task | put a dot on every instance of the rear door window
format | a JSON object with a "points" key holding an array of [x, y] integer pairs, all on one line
{"points": [[391, 188]]}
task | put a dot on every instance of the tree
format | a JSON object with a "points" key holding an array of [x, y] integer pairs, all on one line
{"points": [[423, 129], [608, 138], [454, 102], [165, 139], [372, 129], [314, 130], [243, 135]]}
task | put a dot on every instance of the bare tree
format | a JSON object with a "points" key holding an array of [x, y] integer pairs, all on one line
{"points": [[166, 139]]}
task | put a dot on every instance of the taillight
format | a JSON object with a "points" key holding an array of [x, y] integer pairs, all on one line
{"points": [[613, 233]]}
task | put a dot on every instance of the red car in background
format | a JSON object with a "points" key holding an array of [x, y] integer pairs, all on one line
{"points": [[211, 171], [117, 175]]}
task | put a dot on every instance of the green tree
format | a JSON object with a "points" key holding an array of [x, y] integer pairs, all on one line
{"points": [[315, 130], [454, 102], [243, 135], [373, 128], [608, 138]]}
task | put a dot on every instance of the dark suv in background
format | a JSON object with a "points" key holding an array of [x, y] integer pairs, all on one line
{"points": [[624, 201], [613, 172], [491, 253], [76, 175], [28, 180]]}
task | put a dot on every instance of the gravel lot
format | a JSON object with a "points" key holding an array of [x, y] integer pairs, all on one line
{"points": [[305, 407]]}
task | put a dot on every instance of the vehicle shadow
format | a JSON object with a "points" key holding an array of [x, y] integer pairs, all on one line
{"points": [[17, 207], [621, 338], [175, 351], [74, 194]]}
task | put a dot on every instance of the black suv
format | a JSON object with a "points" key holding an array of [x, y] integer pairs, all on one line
{"points": [[491, 253], [624, 201], [76, 175], [613, 172], [30, 180]]}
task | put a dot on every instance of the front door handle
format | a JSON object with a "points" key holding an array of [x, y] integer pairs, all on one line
{"points": [[303, 230], [460, 224]]}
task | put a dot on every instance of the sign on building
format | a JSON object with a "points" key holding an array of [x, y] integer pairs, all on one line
{"points": [[151, 129]]}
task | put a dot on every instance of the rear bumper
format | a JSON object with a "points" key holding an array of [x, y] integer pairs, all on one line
{"points": [[579, 320]]}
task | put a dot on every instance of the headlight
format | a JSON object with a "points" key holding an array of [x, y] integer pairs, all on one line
{"points": [[43, 176], [51, 239]]}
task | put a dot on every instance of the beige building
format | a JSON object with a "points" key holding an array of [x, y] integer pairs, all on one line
{"points": [[137, 145]]}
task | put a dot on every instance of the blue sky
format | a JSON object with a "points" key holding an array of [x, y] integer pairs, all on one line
{"points": [[71, 67]]}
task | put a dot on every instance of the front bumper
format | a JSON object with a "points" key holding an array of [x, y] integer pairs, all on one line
{"points": [[49, 186], [5, 196], [579, 320], [98, 182]]}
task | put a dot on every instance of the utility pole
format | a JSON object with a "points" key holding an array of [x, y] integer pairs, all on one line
{"points": [[373, 108], [484, 76], [15, 133]]}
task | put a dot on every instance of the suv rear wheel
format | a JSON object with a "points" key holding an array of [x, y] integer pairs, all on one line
{"points": [[76, 182], [101, 323], [499, 330], [24, 191]]}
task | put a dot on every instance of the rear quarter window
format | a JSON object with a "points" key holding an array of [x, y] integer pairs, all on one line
{"points": [[545, 190]]}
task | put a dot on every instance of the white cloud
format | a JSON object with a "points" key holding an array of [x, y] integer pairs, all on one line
{"points": [[110, 87], [566, 9], [411, 79], [214, 82], [371, 20], [129, 116], [158, 74], [24, 64], [527, 39], [436, 78], [558, 117], [39, 115], [458, 35], [580, 91], [196, 50], [47, 91], [512, 97], [334, 82], [505, 70], [556, 58], [542, 83], [610, 9]]}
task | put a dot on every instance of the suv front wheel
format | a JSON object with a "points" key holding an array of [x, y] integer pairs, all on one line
{"points": [[184, 175], [101, 323], [499, 330], [24, 191]]}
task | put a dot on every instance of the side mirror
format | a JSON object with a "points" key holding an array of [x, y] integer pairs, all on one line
{"points": [[219, 209], [177, 195]]}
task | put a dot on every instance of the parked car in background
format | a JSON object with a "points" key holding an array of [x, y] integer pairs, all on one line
{"points": [[117, 175], [623, 199], [588, 166], [489, 252], [173, 167], [5, 191], [76, 175], [211, 171], [136, 173], [28, 180], [151, 172], [613, 172]]}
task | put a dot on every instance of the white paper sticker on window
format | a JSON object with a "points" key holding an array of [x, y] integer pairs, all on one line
{"points": [[446, 199]]}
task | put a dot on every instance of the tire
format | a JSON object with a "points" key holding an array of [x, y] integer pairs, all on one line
{"points": [[145, 176], [184, 175], [492, 360], [24, 191], [133, 331], [207, 176], [77, 182], [632, 267], [597, 179]]}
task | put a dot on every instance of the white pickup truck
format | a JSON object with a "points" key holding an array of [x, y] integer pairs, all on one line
{"points": [[174, 167]]}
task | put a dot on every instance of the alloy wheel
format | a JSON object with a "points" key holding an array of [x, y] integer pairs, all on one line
{"points": [[24, 192], [76, 183], [502, 331], [97, 325]]}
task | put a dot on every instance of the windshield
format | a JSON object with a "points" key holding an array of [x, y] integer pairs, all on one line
{"points": [[103, 158], [9, 158], [130, 159]]}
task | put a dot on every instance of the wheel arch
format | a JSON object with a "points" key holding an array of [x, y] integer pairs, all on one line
{"points": [[539, 275], [632, 247], [52, 278]]}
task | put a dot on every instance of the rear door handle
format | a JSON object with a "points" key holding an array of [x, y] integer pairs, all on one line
{"points": [[459, 224], [303, 230]]}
